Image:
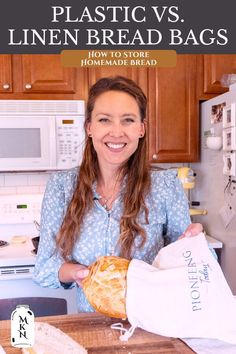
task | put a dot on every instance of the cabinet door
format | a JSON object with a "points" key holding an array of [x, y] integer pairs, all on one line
{"points": [[5, 73], [138, 75], [173, 129], [214, 66], [45, 74], [173, 112]]}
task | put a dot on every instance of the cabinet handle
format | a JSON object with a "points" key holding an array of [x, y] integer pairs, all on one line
{"points": [[28, 86], [154, 156], [6, 86]]}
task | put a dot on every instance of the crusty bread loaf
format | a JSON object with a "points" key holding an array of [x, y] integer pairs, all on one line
{"points": [[105, 286], [51, 340], [18, 239], [28, 351]]}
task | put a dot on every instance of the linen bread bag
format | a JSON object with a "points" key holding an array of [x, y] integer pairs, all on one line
{"points": [[183, 294]]}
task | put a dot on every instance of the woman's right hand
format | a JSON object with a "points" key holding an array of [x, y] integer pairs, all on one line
{"points": [[73, 272], [80, 273]]}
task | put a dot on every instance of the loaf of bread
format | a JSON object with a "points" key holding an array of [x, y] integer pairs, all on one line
{"points": [[51, 340], [105, 286], [18, 239]]}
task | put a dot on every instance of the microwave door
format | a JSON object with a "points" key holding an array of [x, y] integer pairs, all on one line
{"points": [[24, 143]]}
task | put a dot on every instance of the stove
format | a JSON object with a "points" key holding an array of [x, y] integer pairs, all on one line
{"points": [[17, 226], [18, 214], [20, 208], [17, 260]]}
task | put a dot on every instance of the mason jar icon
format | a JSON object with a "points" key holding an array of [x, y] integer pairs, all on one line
{"points": [[22, 327]]}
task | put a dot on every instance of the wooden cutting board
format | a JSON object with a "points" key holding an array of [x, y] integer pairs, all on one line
{"points": [[93, 331]]}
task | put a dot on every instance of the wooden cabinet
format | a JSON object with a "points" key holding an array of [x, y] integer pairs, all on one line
{"points": [[136, 74], [44, 73], [173, 117], [173, 128], [40, 76], [214, 66], [6, 73], [173, 93]]}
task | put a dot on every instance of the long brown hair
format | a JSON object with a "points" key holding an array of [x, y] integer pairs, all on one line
{"points": [[135, 170]]}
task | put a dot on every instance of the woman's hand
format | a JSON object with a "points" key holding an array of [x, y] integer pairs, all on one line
{"points": [[72, 272], [80, 274], [192, 230]]}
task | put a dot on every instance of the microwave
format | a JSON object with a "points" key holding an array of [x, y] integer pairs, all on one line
{"points": [[41, 135]]}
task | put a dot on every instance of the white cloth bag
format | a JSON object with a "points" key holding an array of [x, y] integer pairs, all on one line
{"points": [[183, 294]]}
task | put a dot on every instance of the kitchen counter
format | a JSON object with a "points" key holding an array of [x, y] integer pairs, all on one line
{"points": [[214, 242], [93, 331]]}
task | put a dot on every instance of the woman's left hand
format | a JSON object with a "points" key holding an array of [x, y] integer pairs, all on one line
{"points": [[192, 230]]}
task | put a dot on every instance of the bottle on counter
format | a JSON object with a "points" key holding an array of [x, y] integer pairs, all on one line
{"points": [[22, 327]]}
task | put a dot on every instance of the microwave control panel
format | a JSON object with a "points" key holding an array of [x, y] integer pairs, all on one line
{"points": [[70, 141], [20, 208]]}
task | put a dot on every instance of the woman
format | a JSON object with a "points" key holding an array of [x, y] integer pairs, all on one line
{"points": [[113, 204]]}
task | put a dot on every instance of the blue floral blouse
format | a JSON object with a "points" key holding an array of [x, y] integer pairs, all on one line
{"points": [[168, 219]]}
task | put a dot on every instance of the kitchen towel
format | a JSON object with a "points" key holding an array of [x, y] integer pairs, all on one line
{"points": [[183, 294]]}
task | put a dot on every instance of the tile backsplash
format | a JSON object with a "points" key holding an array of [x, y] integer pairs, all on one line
{"points": [[23, 183], [35, 182]]}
